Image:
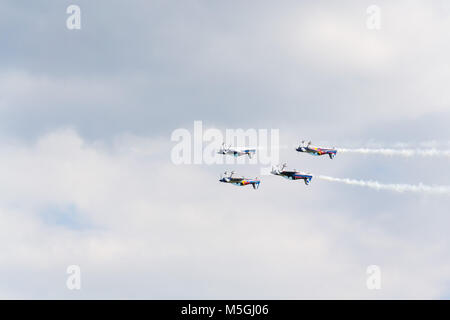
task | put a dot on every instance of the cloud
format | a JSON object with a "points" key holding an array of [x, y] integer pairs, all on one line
{"points": [[85, 122], [155, 230], [129, 69]]}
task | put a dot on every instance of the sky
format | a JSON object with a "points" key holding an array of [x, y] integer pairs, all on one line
{"points": [[87, 178]]}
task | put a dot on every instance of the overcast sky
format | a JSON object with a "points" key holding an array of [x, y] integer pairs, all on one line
{"points": [[86, 118]]}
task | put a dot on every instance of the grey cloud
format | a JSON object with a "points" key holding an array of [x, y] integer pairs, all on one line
{"points": [[138, 69]]}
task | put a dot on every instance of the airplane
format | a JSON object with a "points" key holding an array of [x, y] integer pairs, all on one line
{"points": [[291, 174], [235, 152], [239, 181], [316, 151]]}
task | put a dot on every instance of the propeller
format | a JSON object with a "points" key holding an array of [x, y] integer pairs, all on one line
{"points": [[223, 149], [274, 171], [278, 169], [228, 176], [224, 177]]}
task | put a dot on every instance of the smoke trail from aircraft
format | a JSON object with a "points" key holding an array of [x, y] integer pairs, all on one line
{"points": [[399, 152], [420, 188]]}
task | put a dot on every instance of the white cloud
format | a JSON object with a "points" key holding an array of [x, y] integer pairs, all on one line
{"points": [[141, 227], [152, 229]]}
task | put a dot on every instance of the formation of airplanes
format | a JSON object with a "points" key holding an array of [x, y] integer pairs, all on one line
{"points": [[278, 170]]}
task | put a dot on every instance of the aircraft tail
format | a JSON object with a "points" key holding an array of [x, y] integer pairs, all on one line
{"points": [[250, 153]]}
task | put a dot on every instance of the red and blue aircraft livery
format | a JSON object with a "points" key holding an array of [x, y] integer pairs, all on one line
{"points": [[291, 174], [317, 151], [298, 176], [240, 181], [254, 182]]}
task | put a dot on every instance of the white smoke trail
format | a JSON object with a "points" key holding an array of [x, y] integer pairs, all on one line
{"points": [[421, 188], [399, 152]]}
